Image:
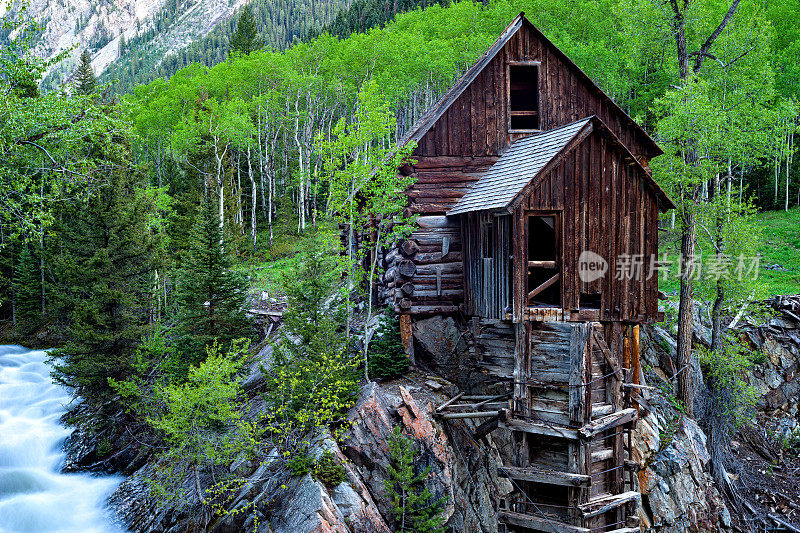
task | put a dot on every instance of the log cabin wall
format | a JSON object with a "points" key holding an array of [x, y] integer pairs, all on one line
{"points": [[605, 208], [424, 274]]}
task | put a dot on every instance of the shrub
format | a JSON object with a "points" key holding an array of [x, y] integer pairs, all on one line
{"points": [[300, 463], [329, 471]]}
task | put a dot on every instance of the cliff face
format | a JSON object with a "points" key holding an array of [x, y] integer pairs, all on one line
{"points": [[670, 454], [100, 27]]}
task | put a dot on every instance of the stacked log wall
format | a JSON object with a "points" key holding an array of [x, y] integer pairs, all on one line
{"points": [[424, 274]]}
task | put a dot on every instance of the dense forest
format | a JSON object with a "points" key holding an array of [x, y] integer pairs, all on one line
{"points": [[280, 25], [136, 225]]}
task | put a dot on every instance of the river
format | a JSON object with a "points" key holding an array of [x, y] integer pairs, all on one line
{"points": [[34, 495]]}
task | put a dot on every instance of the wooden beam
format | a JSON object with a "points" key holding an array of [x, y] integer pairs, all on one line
{"points": [[604, 504], [602, 455], [540, 429], [542, 264], [552, 477], [608, 422], [449, 402], [407, 336], [544, 286], [538, 523], [486, 428], [474, 414]]}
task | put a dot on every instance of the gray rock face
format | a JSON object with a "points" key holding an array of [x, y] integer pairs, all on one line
{"points": [[440, 340], [678, 491], [309, 509]]}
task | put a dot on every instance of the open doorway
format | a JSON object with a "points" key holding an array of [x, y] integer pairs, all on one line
{"points": [[544, 260]]}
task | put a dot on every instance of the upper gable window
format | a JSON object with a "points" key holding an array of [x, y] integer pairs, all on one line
{"points": [[523, 102]]}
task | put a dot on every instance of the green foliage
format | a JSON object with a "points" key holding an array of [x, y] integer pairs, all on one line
{"points": [[387, 355], [300, 462], [84, 79], [312, 379], [245, 38], [105, 265], [414, 507], [329, 471], [48, 141], [725, 371], [28, 291], [202, 420], [211, 294]]}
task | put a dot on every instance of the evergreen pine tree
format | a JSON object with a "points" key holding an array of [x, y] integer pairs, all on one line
{"points": [[85, 81], [211, 295], [28, 291], [245, 38], [387, 355], [105, 268], [413, 505]]}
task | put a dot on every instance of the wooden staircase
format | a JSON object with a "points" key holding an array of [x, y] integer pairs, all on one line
{"points": [[570, 418]]}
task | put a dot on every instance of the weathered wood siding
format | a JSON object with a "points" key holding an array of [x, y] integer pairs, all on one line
{"points": [[474, 130], [487, 264], [605, 209]]}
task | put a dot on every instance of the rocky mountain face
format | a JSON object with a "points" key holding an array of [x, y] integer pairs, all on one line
{"points": [[104, 26], [671, 455]]}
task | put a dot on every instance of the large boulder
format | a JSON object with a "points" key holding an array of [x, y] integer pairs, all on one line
{"points": [[439, 342]]}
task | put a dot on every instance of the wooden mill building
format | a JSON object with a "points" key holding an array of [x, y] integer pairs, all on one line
{"points": [[522, 168]]}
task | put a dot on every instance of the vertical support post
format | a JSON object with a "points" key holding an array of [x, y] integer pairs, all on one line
{"points": [[520, 251], [635, 366], [407, 336]]}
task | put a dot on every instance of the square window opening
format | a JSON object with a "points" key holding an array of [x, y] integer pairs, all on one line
{"points": [[524, 97]]}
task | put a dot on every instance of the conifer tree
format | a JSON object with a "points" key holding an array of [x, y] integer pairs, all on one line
{"points": [[211, 296], [388, 358], [105, 267], [413, 505], [85, 81], [27, 291], [246, 38]]}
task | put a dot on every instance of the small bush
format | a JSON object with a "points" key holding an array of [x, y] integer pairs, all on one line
{"points": [[329, 471], [387, 357], [300, 463]]}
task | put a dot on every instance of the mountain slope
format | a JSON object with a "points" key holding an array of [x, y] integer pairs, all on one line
{"points": [[144, 39]]}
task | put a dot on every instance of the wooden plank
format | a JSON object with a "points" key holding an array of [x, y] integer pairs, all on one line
{"points": [[542, 264], [544, 286], [608, 422], [602, 505], [552, 477], [535, 428], [537, 523]]}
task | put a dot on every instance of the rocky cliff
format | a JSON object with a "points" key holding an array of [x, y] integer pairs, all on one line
{"points": [[671, 454]]}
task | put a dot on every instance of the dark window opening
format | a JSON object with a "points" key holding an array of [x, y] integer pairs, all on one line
{"points": [[524, 97], [591, 300], [544, 284]]}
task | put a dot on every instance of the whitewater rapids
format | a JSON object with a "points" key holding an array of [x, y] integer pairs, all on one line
{"points": [[34, 495]]}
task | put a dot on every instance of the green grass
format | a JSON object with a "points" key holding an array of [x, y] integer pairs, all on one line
{"points": [[780, 247]]}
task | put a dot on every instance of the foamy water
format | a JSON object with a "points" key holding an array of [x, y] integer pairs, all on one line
{"points": [[34, 495]]}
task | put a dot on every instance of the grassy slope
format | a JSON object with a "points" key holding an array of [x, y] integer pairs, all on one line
{"points": [[781, 246], [779, 270]]}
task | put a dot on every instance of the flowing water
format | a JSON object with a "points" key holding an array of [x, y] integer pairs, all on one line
{"points": [[34, 495]]}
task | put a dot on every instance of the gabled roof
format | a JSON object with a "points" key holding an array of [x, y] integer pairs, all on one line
{"points": [[522, 162], [505, 184], [426, 122]]}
